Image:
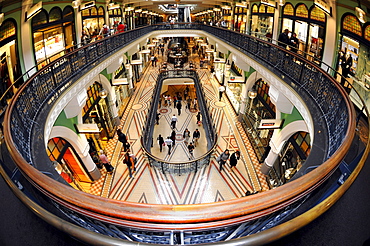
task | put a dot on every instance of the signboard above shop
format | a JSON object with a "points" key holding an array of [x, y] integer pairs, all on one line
{"points": [[270, 124]]}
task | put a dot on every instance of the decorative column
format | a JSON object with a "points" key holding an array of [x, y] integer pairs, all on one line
{"points": [[270, 159]]}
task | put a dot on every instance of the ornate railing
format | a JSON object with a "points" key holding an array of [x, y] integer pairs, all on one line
{"points": [[184, 166], [332, 113]]}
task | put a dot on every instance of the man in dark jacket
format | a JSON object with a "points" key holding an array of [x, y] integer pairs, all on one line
{"points": [[284, 38]]}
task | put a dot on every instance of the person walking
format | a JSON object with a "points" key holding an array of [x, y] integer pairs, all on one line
{"points": [[129, 162], [199, 119], [223, 158], [173, 138], [157, 118], [168, 142], [186, 92], [160, 142], [186, 136], [188, 103], [179, 106], [152, 59], [196, 136], [104, 160], [195, 103], [191, 149], [173, 121], [123, 139], [221, 90], [234, 159], [174, 101]]}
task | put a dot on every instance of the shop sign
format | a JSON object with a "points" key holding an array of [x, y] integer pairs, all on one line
{"points": [[236, 79], [270, 124], [87, 128], [323, 5], [271, 3]]}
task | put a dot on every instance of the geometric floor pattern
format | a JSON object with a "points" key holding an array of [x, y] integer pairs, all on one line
{"points": [[208, 184]]}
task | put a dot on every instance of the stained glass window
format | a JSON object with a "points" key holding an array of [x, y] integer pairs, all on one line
{"points": [[317, 14], [351, 23], [302, 11], [55, 14], [367, 33], [255, 8], [288, 9], [7, 30]]}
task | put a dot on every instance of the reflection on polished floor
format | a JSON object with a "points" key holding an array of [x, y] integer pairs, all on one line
{"points": [[208, 184]]}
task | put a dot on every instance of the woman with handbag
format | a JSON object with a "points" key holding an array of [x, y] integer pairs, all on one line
{"points": [[104, 160]]}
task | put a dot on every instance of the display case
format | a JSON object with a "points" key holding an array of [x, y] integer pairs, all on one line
{"points": [[48, 43]]}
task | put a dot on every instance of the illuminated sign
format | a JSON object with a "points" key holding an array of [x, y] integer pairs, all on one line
{"points": [[323, 5]]}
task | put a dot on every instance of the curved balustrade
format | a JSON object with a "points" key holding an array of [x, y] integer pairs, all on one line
{"points": [[146, 140], [332, 113]]}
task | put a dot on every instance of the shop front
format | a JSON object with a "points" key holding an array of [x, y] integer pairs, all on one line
{"points": [[353, 57], [309, 26], [53, 34], [262, 20], [68, 164], [120, 82], [10, 69], [93, 21], [240, 18], [259, 107], [235, 82], [115, 17], [97, 111], [290, 160]]}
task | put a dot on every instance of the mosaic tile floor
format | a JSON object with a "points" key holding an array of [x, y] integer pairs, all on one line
{"points": [[208, 184]]}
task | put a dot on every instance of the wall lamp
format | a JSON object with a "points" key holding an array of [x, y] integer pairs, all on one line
{"points": [[87, 5], [323, 5], [34, 10], [112, 6], [360, 13], [2, 17]]}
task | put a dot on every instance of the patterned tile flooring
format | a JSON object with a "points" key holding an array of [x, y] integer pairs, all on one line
{"points": [[150, 185]]}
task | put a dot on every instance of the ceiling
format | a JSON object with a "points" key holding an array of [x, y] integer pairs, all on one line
{"points": [[152, 5]]}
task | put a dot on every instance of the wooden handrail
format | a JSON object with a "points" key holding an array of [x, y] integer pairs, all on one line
{"points": [[196, 216]]}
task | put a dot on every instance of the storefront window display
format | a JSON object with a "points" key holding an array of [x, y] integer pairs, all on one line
{"points": [[93, 21], [309, 26], [9, 63], [290, 159], [115, 17], [98, 111], [67, 163], [121, 86], [53, 33], [262, 20]]}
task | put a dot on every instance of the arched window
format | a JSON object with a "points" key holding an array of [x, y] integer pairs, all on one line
{"points": [[40, 18], [317, 14], [68, 14], [351, 24], [55, 14], [367, 32], [288, 9], [7, 29], [302, 11], [255, 8], [101, 11]]}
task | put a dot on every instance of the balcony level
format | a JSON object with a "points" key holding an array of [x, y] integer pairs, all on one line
{"points": [[323, 103]]}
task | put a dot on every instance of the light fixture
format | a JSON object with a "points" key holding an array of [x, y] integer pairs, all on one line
{"points": [[270, 3], [76, 4], [2, 16], [227, 7], [281, 2], [34, 10], [112, 6], [103, 93], [216, 9], [360, 13], [87, 5], [138, 10], [323, 5]]}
